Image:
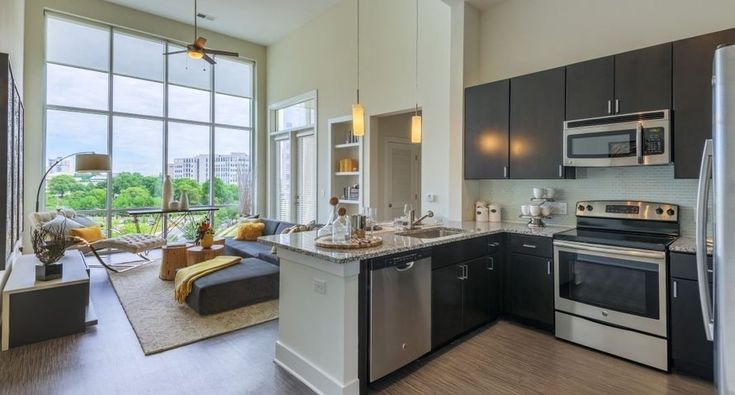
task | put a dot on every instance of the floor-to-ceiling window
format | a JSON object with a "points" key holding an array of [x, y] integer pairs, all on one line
{"points": [[112, 91]]}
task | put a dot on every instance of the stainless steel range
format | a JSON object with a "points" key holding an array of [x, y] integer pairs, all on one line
{"points": [[610, 279]]}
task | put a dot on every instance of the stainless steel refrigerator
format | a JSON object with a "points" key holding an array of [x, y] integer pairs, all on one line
{"points": [[718, 164]]}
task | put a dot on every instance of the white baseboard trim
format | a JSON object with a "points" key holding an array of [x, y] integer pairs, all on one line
{"points": [[309, 374]]}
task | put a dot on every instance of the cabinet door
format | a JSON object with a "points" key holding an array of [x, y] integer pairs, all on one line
{"points": [[590, 87], [690, 350], [486, 130], [494, 267], [536, 117], [477, 293], [446, 304], [643, 79], [692, 87], [532, 288]]}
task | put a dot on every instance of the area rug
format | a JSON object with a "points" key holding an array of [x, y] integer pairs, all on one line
{"points": [[162, 324]]}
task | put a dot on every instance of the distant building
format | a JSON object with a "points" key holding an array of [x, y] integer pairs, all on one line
{"points": [[227, 167], [62, 168]]}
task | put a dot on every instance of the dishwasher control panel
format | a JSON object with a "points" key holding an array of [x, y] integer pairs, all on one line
{"points": [[399, 259]]}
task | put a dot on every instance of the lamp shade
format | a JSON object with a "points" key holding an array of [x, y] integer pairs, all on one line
{"points": [[90, 163], [416, 129], [358, 120]]}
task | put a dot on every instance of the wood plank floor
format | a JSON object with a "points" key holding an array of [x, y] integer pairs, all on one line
{"points": [[505, 358], [508, 358]]}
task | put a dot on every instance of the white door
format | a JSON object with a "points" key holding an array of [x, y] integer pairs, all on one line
{"points": [[283, 178], [305, 172], [402, 177]]}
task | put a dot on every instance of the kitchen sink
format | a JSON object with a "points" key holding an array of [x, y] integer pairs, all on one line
{"points": [[431, 233]]}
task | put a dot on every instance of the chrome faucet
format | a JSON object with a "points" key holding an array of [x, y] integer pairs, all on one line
{"points": [[413, 223]]}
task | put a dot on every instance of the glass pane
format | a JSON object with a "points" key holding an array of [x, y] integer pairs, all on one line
{"points": [[298, 115], [66, 133], [183, 70], [283, 179], [603, 145], [306, 180], [69, 86], [233, 77], [187, 103], [78, 44], [188, 160], [233, 178], [137, 158], [231, 110], [136, 96], [137, 56]]}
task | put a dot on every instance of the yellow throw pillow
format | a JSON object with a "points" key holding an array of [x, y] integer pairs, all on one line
{"points": [[249, 231], [89, 234]]}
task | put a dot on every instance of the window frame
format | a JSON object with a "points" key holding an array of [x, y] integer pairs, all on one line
{"points": [[109, 212]]}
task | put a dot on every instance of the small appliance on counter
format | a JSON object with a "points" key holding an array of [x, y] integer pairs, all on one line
{"points": [[482, 211]]}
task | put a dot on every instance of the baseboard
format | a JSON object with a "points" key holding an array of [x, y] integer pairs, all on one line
{"points": [[309, 374]]}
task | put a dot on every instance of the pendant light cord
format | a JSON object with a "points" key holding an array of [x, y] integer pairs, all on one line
{"points": [[416, 58], [358, 51]]}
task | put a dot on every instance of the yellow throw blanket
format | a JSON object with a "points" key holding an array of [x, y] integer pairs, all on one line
{"points": [[185, 277]]}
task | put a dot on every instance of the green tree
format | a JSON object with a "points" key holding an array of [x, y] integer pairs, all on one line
{"points": [[90, 199], [222, 192], [191, 187], [133, 197], [62, 184]]}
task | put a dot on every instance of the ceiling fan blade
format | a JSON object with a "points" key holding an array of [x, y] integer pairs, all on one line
{"points": [[174, 52], [218, 52], [208, 59]]}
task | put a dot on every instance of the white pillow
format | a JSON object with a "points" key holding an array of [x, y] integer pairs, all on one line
{"points": [[85, 221], [62, 223]]}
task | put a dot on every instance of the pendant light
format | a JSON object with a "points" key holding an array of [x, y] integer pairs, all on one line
{"points": [[416, 118], [358, 111]]}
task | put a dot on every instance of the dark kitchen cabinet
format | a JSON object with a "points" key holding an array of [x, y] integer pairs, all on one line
{"points": [[446, 304], [486, 131], [477, 293], [530, 289], [536, 117], [590, 88], [692, 97], [643, 79]]}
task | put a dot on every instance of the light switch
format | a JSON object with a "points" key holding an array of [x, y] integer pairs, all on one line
{"points": [[431, 197]]}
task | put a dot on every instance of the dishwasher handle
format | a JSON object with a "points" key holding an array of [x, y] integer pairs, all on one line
{"points": [[405, 267]]}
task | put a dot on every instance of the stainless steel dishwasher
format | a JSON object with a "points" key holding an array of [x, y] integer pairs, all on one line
{"points": [[400, 311]]}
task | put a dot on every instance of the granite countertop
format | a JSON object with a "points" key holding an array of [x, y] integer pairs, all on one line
{"points": [[304, 242], [687, 245]]}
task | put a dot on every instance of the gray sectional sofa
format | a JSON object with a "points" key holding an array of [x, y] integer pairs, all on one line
{"points": [[253, 249]]}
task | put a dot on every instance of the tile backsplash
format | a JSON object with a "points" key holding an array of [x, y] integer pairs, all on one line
{"points": [[650, 183]]}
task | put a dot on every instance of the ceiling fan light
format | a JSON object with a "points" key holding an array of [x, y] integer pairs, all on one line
{"points": [[195, 54]]}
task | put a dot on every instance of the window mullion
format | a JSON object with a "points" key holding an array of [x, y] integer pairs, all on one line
{"points": [[110, 87]]}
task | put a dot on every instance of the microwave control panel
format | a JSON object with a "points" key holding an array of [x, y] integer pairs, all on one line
{"points": [[653, 141]]}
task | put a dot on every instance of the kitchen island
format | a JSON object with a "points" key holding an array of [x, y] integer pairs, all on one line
{"points": [[323, 301]]}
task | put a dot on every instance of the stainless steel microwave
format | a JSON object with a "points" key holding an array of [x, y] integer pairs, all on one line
{"points": [[619, 140]]}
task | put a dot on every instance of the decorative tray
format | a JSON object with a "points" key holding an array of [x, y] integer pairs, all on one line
{"points": [[354, 243]]}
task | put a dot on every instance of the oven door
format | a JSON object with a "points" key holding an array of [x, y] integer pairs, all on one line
{"points": [[614, 285]]}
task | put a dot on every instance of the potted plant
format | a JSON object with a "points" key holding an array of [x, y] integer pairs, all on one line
{"points": [[205, 234]]}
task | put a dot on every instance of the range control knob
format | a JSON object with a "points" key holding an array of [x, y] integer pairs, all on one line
{"points": [[659, 211], [670, 212], [589, 207], [580, 208]]}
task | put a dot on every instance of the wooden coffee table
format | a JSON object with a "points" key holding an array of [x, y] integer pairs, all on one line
{"points": [[173, 258], [198, 254]]}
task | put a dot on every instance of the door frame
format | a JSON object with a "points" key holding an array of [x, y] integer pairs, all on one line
{"points": [[387, 164]]}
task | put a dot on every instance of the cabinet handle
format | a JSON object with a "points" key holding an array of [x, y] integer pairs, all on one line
{"points": [[548, 268], [492, 263], [494, 244], [675, 292], [505, 171], [466, 272], [617, 106], [529, 246], [609, 106], [461, 272], [561, 171]]}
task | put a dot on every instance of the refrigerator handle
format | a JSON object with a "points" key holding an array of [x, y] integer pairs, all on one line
{"points": [[705, 301]]}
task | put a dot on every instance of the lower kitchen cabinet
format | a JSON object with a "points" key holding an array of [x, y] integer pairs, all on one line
{"points": [[530, 289], [446, 304]]}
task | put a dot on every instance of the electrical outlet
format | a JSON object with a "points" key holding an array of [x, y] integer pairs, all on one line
{"points": [[320, 286], [431, 197], [558, 208]]}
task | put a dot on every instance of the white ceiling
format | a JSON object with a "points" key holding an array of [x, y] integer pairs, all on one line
{"points": [[482, 5], [259, 21]]}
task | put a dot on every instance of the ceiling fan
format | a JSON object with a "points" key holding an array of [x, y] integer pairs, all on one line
{"points": [[197, 49]]}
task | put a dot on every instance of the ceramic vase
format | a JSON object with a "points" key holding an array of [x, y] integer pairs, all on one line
{"points": [[207, 240], [168, 192], [184, 201]]}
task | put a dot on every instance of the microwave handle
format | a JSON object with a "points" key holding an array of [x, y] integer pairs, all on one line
{"points": [[639, 142]]}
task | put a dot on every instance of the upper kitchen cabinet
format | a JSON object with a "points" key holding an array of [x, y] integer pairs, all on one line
{"points": [[536, 117], [643, 80], [486, 131], [692, 87], [590, 88]]}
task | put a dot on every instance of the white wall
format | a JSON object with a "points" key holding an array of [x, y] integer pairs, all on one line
{"points": [[321, 55], [11, 36], [113, 14]]}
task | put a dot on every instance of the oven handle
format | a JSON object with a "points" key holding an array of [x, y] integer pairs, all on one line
{"points": [[639, 142], [612, 250]]}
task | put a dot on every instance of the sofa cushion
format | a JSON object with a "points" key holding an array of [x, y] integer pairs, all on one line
{"points": [[249, 282], [270, 227], [282, 226], [269, 257], [245, 249]]}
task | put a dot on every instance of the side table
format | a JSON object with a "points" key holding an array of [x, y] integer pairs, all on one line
{"points": [[173, 258], [197, 254]]}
